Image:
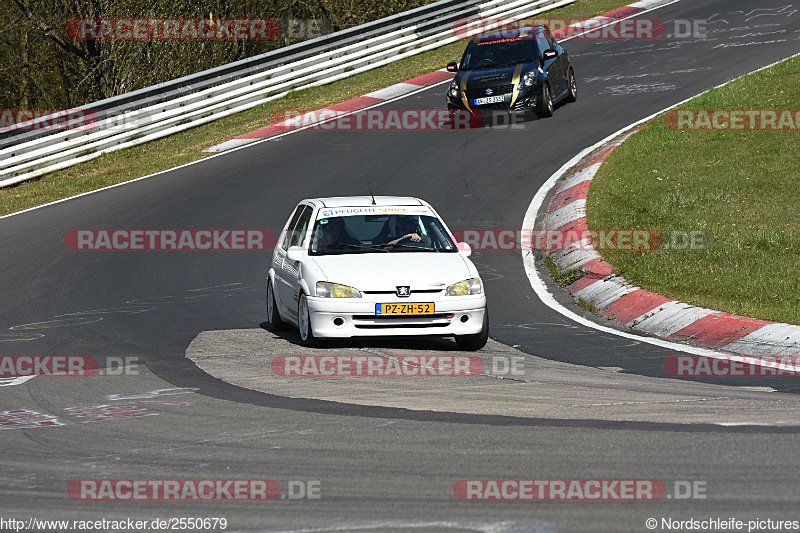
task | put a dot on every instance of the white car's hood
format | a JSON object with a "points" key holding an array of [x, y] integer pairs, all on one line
{"points": [[385, 271]]}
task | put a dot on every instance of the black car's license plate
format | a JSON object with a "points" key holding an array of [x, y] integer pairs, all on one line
{"points": [[489, 100]]}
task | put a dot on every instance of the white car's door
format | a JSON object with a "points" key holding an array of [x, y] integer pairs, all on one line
{"points": [[279, 257], [289, 284]]}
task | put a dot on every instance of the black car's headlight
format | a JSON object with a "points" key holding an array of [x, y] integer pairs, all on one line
{"points": [[533, 77], [454, 91], [465, 287], [529, 79]]}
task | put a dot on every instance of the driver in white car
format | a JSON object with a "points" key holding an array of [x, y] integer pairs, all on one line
{"points": [[406, 227]]}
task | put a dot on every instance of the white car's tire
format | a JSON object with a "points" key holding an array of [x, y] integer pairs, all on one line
{"points": [[307, 337]]}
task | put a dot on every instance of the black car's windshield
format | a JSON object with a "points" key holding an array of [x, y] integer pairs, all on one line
{"points": [[359, 234], [495, 53]]}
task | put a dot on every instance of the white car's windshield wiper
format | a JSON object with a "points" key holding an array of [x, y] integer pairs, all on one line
{"points": [[414, 247], [371, 248]]}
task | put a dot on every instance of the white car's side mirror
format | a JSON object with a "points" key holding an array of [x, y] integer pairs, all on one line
{"points": [[295, 253], [464, 249]]}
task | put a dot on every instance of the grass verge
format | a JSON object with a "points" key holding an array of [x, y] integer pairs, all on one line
{"points": [[739, 188], [188, 146], [588, 306], [563, 279]]}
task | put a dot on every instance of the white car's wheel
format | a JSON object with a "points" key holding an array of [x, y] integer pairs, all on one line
{"points": [[304, 322]]}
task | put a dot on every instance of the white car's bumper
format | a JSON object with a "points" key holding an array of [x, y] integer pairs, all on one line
{"points": [[355, 317]]}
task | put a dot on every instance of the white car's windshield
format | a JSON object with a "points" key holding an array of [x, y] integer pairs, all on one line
{"points": [[383, 233]]}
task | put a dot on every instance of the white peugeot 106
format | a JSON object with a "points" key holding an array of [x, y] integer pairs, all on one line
{"points": [[363, 266]]}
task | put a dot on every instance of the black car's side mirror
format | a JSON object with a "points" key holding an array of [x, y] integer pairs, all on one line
{"points": [[550, 53], [452, 66]]}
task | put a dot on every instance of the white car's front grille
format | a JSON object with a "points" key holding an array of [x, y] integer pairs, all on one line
{"points": [[360, 325], [412, 291], [438, 320]]}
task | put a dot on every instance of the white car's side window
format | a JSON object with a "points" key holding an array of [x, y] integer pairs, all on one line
{"points": [[290, 227], [299, 232]]}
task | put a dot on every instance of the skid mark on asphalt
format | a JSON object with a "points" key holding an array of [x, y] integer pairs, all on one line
{"points": [[134, 307], [575, 330], [16, 337], [63, 323], [153, 394], [28, 419], [638, 88]]}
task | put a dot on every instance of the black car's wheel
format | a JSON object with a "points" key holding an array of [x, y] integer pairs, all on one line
{"points": [[572, 87], [274, 322], [307, 337], [475, 341], [544, 108]]}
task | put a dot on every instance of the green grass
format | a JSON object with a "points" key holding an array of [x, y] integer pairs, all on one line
{"points": [[741, 189], [188, 146], [563, 279], [590, 307]]}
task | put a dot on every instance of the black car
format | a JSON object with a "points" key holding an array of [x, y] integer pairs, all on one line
{"points": [[525, 70]]}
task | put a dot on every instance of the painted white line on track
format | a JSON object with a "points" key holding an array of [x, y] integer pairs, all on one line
{"points": [[398, 89], [535, 280], [615, 21], [528, 223]]}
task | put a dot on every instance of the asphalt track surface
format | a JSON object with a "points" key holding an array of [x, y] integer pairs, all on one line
{"points": [[379, 469]]}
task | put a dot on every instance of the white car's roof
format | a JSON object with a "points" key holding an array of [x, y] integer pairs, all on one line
{"points": [[365, 201]]}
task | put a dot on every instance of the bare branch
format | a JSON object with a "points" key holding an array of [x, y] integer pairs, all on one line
{"points": [[50, 32]]}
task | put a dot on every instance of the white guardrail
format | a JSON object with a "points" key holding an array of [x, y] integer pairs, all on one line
{"points": [[134, 118]]}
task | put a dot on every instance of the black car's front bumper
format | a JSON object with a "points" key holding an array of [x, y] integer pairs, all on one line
{"points": [[521, 99]]}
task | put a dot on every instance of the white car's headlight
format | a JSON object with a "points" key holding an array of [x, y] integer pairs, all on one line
{"points": [[464, 288], [326, 289]]}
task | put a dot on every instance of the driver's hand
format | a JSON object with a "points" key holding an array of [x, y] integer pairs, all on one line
{"points": [[414, 237]]}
